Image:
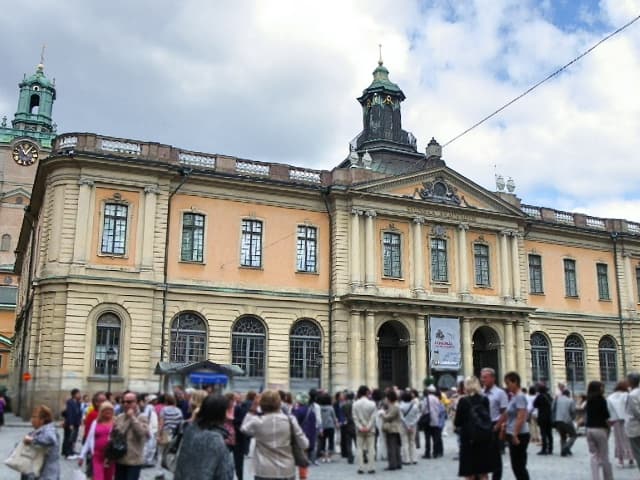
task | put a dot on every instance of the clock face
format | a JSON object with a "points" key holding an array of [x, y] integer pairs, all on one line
{"points": [[25, 153]]}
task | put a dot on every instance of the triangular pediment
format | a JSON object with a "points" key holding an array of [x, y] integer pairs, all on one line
{"points": [[18, 196], [441, 186]]}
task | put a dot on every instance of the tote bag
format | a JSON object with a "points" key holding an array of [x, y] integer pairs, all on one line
{"points": [[26, 459]]}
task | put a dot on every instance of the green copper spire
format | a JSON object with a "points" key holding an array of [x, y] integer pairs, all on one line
{"points": [[35, 103]]}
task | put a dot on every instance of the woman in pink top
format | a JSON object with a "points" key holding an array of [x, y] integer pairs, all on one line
{"points": [[96, 443]]}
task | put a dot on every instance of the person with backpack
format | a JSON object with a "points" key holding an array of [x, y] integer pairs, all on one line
{"points": [[432, 404], [473, 422]]}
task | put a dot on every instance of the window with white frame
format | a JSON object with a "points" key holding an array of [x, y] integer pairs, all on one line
{"points": [[439, 272], [391, 255], [603, 281], [570, 281], [192, 237], [539, 358], [251, 247], [188, 338], [608, 356], [248, 346], [535, 274], [307, 248], [304, 350], [107, 347], [114, 229], [481, 261]]}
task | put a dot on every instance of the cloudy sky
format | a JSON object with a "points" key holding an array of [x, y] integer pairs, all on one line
{"points": [[277, 81]]}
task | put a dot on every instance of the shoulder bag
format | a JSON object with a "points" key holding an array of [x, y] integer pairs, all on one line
{"points": [[117, 446], [26, 459]]}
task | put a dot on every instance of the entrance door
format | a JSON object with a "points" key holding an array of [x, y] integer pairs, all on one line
{"points": [[485, 350], [393, 355]]}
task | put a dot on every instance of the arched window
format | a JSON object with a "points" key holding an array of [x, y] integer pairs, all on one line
{"points": [[108, 328], [574, 361], [248, 346], [305, 356], [188, 338], [608, 353], [539, 358], [5, 243], [34, 104]]}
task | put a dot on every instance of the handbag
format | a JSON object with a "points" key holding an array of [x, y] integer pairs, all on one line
{"points": [[117, 446], [26, 459], [172, 450], [424, 421], [164, 438], [299, 455]]}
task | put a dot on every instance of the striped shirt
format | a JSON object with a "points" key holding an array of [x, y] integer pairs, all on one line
{"points": [[172, 418]]}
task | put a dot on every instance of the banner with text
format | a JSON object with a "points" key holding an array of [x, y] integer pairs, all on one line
{"points": [[444, 343]]}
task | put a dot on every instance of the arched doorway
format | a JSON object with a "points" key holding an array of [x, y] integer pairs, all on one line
{"points": [[486, 345], [393, 355]]}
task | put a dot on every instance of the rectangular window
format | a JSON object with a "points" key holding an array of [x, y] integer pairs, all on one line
{"points": [[570, 285], [439, 260], [192, 237], [603, 281], [251, 249], [481, 260], [391, 255], [535, 274], [114, 229], [307, 249]]}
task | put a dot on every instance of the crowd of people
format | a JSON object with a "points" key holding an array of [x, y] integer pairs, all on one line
{"points": [[202, 435]]}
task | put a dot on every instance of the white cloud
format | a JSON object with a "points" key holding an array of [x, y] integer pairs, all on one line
{"points": [[277, 81]]}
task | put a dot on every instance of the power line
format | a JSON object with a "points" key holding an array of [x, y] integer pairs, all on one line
{"points": [[548, 77]]}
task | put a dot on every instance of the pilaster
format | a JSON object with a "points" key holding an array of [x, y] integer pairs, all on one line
{"points": [[356, 279], [463, 273], [148, 230], [82, 220], [370, 247], [418, 258], [371, 363]]}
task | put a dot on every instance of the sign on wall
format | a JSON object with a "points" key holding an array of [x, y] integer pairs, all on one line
{"points": [[444, 343]]}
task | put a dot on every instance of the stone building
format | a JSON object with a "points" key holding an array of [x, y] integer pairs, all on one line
{"points": [[22, 144], [388, 268]]}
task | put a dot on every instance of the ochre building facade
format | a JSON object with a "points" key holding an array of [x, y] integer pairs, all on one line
{"points": [[389, 268]]}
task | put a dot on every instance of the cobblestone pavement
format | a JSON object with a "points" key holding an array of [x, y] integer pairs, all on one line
{"points": [[540, 467]]}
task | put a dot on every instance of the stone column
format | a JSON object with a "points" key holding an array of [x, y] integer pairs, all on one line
{"points": [[467, 347], [629, 279], [509, 362], [421, 352], [356, 349], [515, 266], [356, 279], [523, 369], [371, 361], [82, 220], [463, 272], [148, 229], [418, 258], [370, 247], [505, 289]]}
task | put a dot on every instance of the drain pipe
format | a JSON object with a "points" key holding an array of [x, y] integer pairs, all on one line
{"points": [[185, 173], [614, 239], [325, 197]]}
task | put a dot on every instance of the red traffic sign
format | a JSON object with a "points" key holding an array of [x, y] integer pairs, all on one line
{"points": [[26, 376]]}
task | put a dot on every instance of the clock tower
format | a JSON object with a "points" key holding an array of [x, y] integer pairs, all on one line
{"points": [[23, 143], [383, 145]]}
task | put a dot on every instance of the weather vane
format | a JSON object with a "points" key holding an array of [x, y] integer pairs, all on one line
{"points": [[42, 54], [380, 57]]}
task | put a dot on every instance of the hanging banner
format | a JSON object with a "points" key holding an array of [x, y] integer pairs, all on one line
{"points": [[444, 343]]}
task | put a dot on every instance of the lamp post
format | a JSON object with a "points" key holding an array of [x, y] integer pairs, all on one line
{"points": [[319, 358], [572, 366], [111, 356]]}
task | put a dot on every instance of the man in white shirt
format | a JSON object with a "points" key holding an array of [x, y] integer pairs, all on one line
{"points": [[498, 402], [632, 423], [364, 418]]}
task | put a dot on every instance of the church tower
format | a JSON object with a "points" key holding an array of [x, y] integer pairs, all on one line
{"points": [[35, 103]]}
